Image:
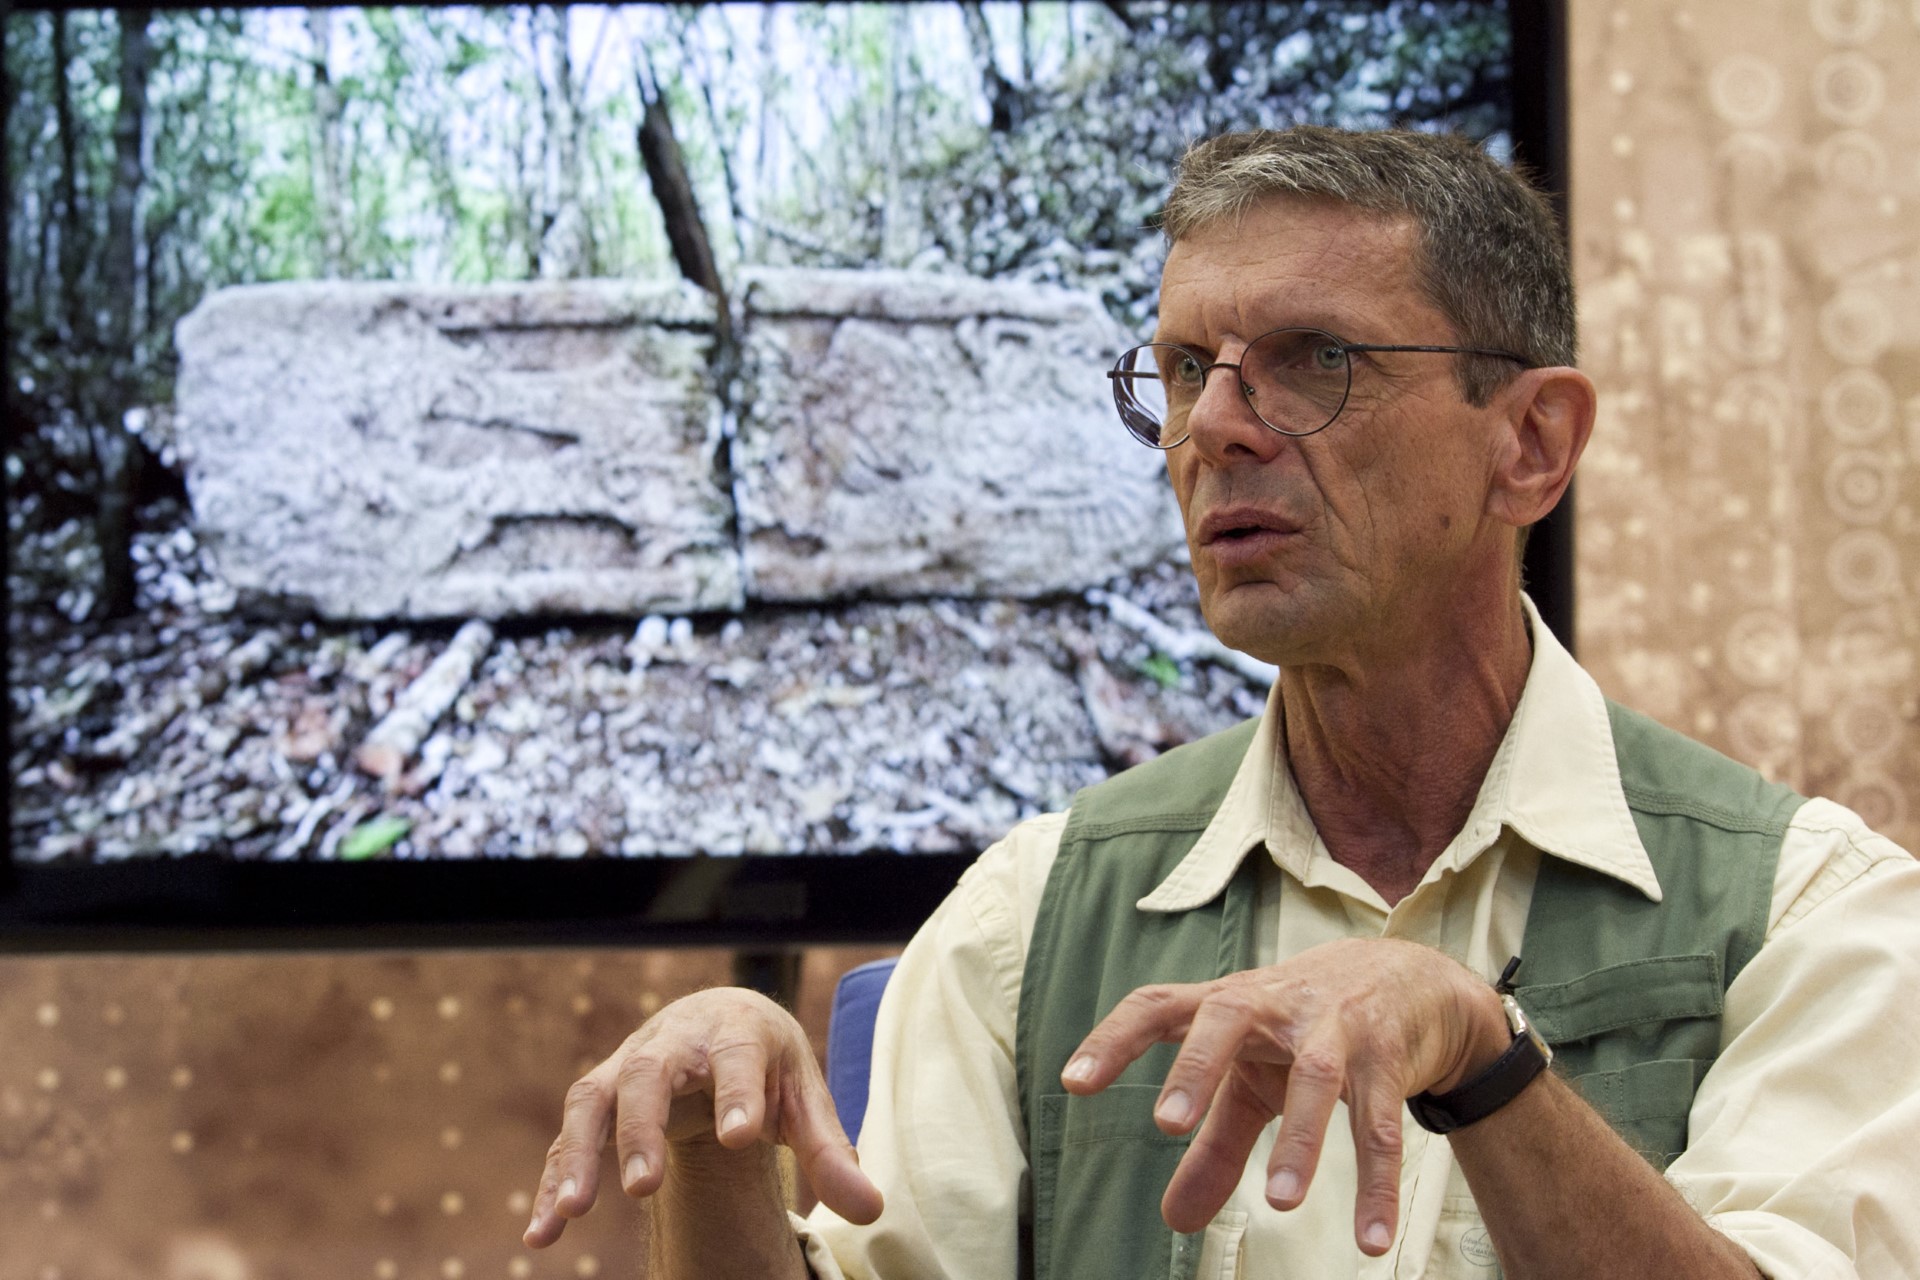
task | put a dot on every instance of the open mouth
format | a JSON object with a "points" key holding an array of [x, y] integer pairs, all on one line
{"points": [[1241, 531], [1234, 527]]}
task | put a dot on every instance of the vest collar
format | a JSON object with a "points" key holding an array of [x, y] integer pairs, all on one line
{"points": [[1555, 781]]}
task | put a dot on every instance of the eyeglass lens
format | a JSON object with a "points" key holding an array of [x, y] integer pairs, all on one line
{"points": [[1295, 379]]}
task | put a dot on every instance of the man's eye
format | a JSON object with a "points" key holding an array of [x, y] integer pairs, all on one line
{"points": [[1186, 370], [1328, 358]]}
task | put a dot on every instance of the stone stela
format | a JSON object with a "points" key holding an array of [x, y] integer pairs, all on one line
{"points": [[372, 450]]}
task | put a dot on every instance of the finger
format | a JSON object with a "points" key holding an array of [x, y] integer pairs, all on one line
{"points": [[1143, 1018], [811, 1128], [1215, 1034], [1211, 1168], [570, 1180], [739, 1073], [1377, 1143], [1315, 1079], [646, 1081]]}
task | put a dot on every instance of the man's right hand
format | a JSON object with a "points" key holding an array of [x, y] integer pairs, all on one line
{"points": [[716, 1072]]}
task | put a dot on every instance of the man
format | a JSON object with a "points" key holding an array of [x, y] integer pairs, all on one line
{"points": [[1177, 1030]]}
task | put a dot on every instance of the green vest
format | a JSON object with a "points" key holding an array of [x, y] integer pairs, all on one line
{"points": [[1628, 991]]}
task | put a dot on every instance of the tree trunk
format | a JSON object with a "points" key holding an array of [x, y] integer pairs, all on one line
{"points": [[328, 185], [898, 223], [115, 451], [73, 249], [564, 245], [666, 169], [1004, 103], [129, 131]]}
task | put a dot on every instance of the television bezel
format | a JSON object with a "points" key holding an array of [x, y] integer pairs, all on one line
{"points": [[207, 902]]}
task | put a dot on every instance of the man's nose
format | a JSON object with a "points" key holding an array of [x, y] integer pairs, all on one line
{"points": [[1223, 425]]}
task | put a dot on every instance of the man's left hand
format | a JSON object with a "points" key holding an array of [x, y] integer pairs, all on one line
{"points": [[1370, 1022]]}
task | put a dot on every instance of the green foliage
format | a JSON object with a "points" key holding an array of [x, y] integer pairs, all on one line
{"points": [[1163, 670], [372, 838]]}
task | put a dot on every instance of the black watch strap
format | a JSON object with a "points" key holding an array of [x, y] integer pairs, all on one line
{"points": [[1483, 1095], [1494, 1087]]}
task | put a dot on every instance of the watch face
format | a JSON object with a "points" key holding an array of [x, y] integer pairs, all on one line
{"points": [[1520, 1025], [1516, 1016]]}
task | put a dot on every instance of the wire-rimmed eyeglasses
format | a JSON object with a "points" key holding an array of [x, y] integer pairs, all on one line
{"points": [[1296, 381]]}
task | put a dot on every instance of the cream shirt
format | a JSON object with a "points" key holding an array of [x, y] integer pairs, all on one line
{"points": [[1804, 1138]]}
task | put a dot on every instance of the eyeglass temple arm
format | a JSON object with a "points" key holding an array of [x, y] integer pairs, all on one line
{"points": [[1462, 351]]}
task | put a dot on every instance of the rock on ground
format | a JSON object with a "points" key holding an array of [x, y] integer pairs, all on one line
{"points": [[374, 450], [906, 434]]}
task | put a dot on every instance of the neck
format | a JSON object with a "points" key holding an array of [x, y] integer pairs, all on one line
{"points": [[1389, 755]]}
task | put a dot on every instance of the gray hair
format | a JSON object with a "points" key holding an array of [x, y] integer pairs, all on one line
{"points": [[1489, 254]]}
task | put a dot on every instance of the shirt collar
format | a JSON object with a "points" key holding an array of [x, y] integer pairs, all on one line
{"points": [[1554, 781]]}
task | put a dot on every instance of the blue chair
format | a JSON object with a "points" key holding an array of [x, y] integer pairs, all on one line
{"points": [[856, 1001]]}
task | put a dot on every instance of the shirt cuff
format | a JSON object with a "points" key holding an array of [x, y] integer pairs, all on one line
{"points": [[1783, 1250], [820, 1261]]}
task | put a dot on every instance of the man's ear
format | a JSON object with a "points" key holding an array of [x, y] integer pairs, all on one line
{"points": [[1548, 415]]}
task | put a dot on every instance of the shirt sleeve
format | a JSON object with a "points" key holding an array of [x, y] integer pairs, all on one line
{"points": [[942, 1137], [1802, 1135]]}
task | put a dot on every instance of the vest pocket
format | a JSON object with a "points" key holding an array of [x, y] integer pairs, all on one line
{"points": [[1100, 1166], [1634, 1039], [1634, 993], [1646, 1103]]}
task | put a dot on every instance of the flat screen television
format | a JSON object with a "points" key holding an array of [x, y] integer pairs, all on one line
{"points": [[615, 474]]}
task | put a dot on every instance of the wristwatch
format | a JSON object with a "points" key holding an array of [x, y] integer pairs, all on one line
{"points": [[1500, 1083]]}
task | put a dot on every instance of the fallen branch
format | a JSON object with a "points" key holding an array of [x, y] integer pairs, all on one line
{"points": [[1183, 646], [420, 705], [126, 739], [317, 808]]}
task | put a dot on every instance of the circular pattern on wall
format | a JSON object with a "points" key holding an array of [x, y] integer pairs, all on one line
{"points": [[1845, 21], [1862, 486], [1863, 565], [1855, 327], [1756, 402], [1752, 160], [1879, 801], [1849, 88], [1865, 726], [1752, 329], [1762, 647], [1857, 406], [1745, 90], [1853, 160], [1764, 729]]}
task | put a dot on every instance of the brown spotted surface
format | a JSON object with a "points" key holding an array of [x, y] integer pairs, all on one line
{"points": [[286, 1117], [1746, 214]]}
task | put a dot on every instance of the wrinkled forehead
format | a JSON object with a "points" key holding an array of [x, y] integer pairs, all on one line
{"points": [[1292, 259]]}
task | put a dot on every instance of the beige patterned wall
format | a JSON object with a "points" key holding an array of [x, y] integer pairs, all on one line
{"points": [[1746, 214], [370, 1116]]}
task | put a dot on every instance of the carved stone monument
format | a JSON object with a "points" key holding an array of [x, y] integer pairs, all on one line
{"points": [[909, 434], [374, 450], [378, 451]]}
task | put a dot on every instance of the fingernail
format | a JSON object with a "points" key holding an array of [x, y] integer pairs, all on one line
{"points": [[567, 1189], [1174, 1108], [532, 1226], [1284, 1185], [733, 1120], [1080, 1070], [1378, 1236], [636, 1169]]}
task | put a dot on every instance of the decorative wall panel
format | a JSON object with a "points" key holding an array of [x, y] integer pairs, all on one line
{"points": [[1746, 215], [317, 1117]]}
